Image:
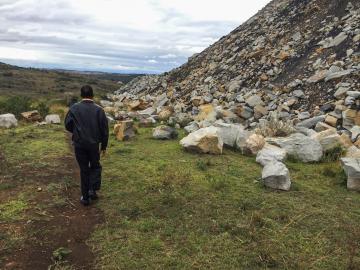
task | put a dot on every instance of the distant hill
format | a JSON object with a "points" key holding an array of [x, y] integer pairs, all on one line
{"points": [[54, 83]]}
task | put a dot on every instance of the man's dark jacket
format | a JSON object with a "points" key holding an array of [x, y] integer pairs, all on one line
{"points": [[88, 124]]}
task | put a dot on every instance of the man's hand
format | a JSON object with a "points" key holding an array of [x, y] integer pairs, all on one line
{"points": [[103, 153]]}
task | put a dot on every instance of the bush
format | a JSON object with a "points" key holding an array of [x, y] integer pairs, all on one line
{"points": [[15, 105], [42, 108], [333, 154], [275, 127]]}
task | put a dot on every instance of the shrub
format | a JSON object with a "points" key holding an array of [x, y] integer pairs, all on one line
{"points": [[275, 127], [333, 154], [42, 108], [15, 105]]}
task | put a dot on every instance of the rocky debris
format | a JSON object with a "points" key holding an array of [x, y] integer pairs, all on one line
{"points": [[254, 144], [205, 140], [124, 130], [351, 167], [258, 69], [275, 175], [300, 147], [8, 120], [31, 116], [270, 153], [53, 119], [164, 133]]}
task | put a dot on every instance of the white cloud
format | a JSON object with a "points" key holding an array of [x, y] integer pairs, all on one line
{"points": [[115, 34]]}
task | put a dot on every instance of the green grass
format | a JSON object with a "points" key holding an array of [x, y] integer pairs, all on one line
{"points": [[166, 208], [12, 210], [169, 209]]}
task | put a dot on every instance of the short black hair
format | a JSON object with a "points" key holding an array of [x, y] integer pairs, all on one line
{"points": [[87, 91]]}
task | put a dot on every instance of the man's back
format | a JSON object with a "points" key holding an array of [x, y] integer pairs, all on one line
{"points": [[88, 123]]}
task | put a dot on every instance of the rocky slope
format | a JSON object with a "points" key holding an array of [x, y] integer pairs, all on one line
{"points": [[299, 58]]}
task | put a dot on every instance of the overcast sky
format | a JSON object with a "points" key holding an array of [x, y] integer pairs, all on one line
{"points": [[139, 36]]}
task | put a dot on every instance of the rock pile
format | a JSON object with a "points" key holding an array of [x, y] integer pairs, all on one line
{"points": [[298, 60]]}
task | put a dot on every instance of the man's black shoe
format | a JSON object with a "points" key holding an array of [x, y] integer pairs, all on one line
{"points": [[84, 201], [93, 195]]}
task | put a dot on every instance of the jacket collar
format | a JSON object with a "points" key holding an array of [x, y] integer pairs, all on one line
{"points": [[87, 100]]}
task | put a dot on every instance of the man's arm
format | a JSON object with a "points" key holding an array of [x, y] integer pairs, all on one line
{"points": [[69, 122], [104, 130]]}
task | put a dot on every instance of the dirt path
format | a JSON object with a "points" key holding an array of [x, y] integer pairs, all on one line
{"points": [[67, 226]]}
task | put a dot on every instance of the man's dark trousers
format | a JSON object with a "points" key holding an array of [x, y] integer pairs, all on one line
{"points": [[88, 157]]}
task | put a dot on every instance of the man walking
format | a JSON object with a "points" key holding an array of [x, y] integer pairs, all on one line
{"points": [[90, 133]]}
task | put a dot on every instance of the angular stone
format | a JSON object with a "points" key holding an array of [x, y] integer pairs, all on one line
{"points": [[350, 118], [205, 140], [164, 133], [229, 133], [275, 175], [351, 167], [310, 123], [192, 127], [52, 119], [31, 116], [124, 130], [331, 120], [339, 74], [254, 144], [183, 119], [270, 153], [207, 112], [254, 101], [323, 126], [8, 120], [298, 145]]}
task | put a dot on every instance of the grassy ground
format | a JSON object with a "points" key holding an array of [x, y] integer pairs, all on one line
{"points": [[165, 208], [168, 209]]}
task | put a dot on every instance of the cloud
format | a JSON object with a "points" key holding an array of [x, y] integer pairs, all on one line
{"points": [[114, 35]]}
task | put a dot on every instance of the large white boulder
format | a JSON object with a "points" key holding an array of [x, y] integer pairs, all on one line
{"points": [[351, 167], [270, 153], [205, 140], [229, 133], [298, 145], [275, 175], [8, 120], [52, 119]]}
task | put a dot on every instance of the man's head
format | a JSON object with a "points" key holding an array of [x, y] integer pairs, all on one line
{"points": [[87, 92]]}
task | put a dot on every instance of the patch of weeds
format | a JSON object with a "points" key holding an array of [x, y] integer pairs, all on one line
{"points": [[12, 210], [53, 187], [6, 186], [217, 183], [203, 165], [124, 151], [60, 254], [333, 155], [61, 266]]}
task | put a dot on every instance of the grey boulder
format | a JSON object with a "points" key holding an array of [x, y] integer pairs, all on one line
{"points": [[351, 167], [164, 133], [299, 146], [270, 153], [275, 175], [8, 120]]}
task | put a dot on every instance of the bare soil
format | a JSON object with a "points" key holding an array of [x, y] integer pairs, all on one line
{"points": [[66, 226]]}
